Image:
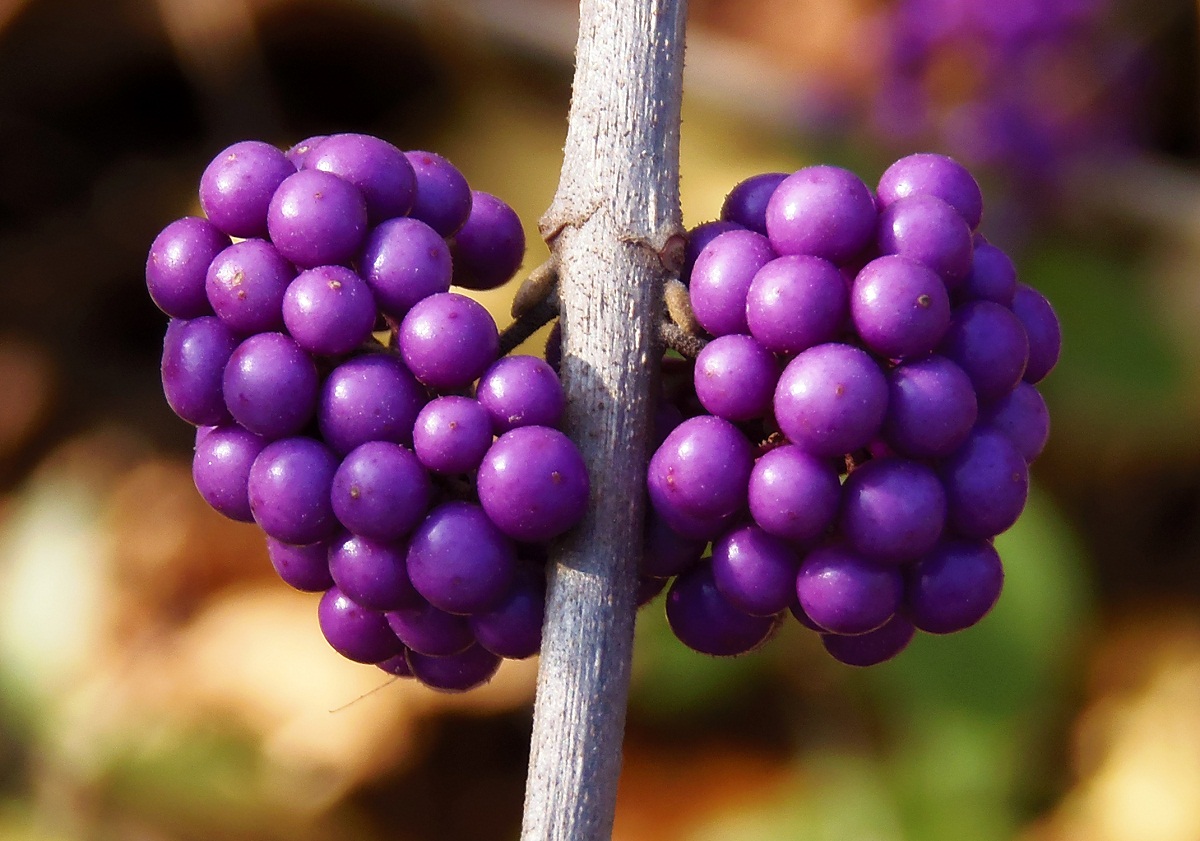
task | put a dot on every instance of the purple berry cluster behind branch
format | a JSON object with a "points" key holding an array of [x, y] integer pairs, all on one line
{"points": [[413, 479], [859, 424]]}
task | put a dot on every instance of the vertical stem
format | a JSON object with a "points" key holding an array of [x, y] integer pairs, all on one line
{"points": [[615, 212]]}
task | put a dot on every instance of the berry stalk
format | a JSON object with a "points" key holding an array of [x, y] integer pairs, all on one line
{"points": [[616, 208]]}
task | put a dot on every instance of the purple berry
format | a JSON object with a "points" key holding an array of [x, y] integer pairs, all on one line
{"points": [[1022, 416], [456, 673], [443, 197], [735, 378], [245, 286], [721, 277], [513, 628], [427, 630], [448, 341], [521, 391], [931, 407], [666, 554], [372, 397], [698, 239], [1042, 327], [698, 477], [987, 483], [299, 153], [177, 264], [899, 307], [824, 211], [873, 647], [289, 488], [794, 495], [270, 385], [317, 219], [929, 231], [372, 573], [755, 571], [927, 174], [954, 586], [706, 622], [221, 469], [796, 302], [378, 169], [452, 434], [746, 203], [306, 568], [195, 354], [329, 310], [893, 510], [533, 484], [988, 342], [489, 247], [355, 632], [405, 261], [380, 491], [993, 277], [459, 561], [845, 593], [236, 188], [831, 400]]}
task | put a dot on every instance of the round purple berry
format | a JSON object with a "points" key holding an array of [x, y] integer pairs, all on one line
{"points": [[177, 264], [380, 491], [305, 568], [405, 261], [459, 560], [899, 307], [927, 174], [245, 285], [236, 188], [371, 572], [735, 377], [489, 247], [845, 593], [372, 397], [378, 169], [824, 211], [448, 341], [521, 391], [452, 434], [831, 399], [195, 353], [954, 586], [329, 310], [443, 197], [721, 277], [317, 219], [796, 302], [221, 469], [533, 484], [355, 632], [289, 488], [271, 385], [705, 621]]}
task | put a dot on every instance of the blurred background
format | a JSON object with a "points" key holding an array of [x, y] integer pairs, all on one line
{"points": [[157, 681]]}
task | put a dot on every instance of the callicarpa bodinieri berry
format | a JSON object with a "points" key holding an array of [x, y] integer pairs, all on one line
{"points": [[902, 360], [356, 409]]}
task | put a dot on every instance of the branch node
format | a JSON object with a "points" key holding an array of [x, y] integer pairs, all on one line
{"points": [[536, 288], [679, 307], [685, 344]]}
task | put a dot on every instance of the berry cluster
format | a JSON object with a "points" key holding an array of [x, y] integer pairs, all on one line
{"points": [[862, 417], [357, 410], [1008, 109]]}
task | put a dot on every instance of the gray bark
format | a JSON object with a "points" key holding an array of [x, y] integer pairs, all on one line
{"points": [[614, 225]]}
